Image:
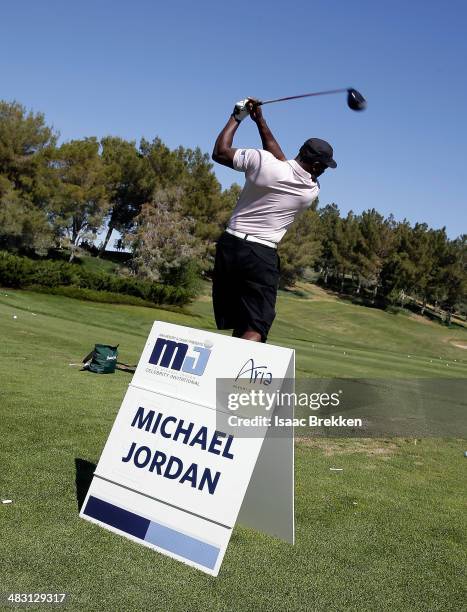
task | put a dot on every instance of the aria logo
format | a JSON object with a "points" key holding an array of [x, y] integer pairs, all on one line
{"points": [[173, 355], [255, 373]]}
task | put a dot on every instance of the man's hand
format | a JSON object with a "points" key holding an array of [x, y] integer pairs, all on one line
{"points": [[254, 107], [270, 144], [241, 110]]}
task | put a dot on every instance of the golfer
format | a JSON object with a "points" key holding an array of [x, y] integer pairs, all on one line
{"points": [[247, 266]]}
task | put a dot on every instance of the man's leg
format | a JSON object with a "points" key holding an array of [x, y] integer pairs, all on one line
{"points": [[257, 292], [224, 285], [248, 334], [245, 288]]}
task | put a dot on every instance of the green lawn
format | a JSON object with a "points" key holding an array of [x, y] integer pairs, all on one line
{"points": [[97, 264], [386, 533]]}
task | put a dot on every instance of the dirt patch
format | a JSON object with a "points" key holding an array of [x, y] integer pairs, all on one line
{"points": [[314, 292], [458, 344], [421, 319], [368, 446]]}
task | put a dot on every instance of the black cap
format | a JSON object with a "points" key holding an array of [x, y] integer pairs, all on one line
{"points": [[315, 149]]}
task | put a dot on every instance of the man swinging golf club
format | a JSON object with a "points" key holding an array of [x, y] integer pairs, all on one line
{"points": [[247, 266]]}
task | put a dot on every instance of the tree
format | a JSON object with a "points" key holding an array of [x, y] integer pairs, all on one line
{"points": [[329, 220], [167, 166], [162, 242], [374, 246], [21, 223], [26, 146], [202, 190], [344, 249], [300, 247], [399, 270], [456, 280], [451, 274], [81, 203], [26, 179], [228, 201], [131, 182], [202, 199]]}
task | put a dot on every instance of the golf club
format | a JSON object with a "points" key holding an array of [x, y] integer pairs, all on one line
{"points": [[355, 100]]}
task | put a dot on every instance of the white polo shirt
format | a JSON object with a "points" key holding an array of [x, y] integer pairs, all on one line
{"points": [[274, 192]]}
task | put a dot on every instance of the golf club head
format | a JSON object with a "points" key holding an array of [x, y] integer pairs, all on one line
{"points": [[355, 100]]}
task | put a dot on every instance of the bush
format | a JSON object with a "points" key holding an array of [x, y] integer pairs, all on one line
{"points": [[90, 295], [186, 276], [21, 272]]}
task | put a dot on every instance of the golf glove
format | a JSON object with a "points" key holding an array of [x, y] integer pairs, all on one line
{"points": [[240, 110]]}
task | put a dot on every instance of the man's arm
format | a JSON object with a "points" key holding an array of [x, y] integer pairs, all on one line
{"points": [[269, 142], [223, 153]]}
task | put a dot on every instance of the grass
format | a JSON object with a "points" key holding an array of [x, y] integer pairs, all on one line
{"points": [[97, 264], [388, 532], [92, 295]]}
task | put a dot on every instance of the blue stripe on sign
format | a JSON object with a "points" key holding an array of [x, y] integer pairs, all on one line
{"points": [[164, 537], [117, 517], [183, 545]]}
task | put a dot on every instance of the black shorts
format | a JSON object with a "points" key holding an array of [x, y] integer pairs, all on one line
{"points": [[245, 281]]}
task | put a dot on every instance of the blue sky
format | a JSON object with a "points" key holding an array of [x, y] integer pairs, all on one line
{"points": [[175, 69]]}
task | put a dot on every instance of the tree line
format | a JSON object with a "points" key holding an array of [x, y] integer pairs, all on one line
{"points": [[382, 260], [63, 195], [170, 208]]}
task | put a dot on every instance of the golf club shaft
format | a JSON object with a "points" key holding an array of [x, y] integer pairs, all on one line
{"points": [[307, 95]]}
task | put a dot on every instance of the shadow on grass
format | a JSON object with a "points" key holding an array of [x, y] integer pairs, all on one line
{"points": [[124, 367], [121, 367], [84, 473], [296, 292]]}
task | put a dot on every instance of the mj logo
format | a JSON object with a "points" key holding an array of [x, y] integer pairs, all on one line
{"points": [[174, 355]]}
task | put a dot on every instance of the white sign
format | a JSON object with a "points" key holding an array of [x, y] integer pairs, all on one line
{"points": [[167, 477]]}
